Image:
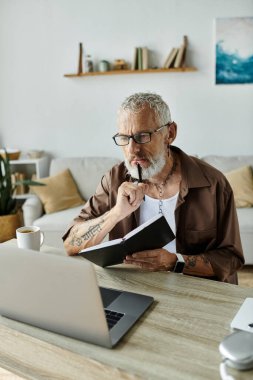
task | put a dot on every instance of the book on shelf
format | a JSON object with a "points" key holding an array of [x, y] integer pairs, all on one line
{"points": [[180, 58], [135, 59], [139, 58], [153, 234], [144, 58], [171, 58], [20, 188]]}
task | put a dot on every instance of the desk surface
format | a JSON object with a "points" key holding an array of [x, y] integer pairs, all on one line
{"points": [[177, 338]]}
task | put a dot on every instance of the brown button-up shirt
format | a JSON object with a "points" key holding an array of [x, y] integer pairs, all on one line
{"points": [[205, 215]]}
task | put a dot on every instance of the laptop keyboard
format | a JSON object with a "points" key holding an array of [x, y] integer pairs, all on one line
{"points": [[112, 317]]}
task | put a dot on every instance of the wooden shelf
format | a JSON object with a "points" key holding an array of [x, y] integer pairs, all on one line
{"points": [[148, 71]]}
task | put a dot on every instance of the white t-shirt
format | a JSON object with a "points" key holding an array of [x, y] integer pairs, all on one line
{"points": [[151, 207]]}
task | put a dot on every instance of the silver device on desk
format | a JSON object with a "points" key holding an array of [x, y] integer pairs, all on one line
{"points": [[243, 319], [61, 294], [237, 348]]}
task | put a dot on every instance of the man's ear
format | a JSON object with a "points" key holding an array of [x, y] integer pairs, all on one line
{"points": [[172, 132]]}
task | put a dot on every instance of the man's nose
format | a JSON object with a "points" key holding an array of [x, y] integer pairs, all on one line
{"points": [[133, 147]]}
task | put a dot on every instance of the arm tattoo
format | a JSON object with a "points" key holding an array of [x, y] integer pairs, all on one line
{"points": [[75, 241], [192, 260], [92, 231]]}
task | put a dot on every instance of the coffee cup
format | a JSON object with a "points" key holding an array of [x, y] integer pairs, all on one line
{"points": [[30, 237]]}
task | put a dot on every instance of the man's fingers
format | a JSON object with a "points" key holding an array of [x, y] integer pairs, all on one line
{"points": [[140, 264], [145, 265], [132, 197], [148, 260], [145, 254], [135, 193]]}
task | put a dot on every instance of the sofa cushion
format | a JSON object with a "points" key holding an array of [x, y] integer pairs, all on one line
{"points": [[86, 171], [241, 181], [60, 192]]}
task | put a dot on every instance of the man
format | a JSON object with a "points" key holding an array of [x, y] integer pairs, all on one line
{"points": [[195, 198]]}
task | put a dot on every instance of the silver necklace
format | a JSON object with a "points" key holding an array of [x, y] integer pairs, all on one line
{"points": [[160, 206], [160, 186], [160, 189]]}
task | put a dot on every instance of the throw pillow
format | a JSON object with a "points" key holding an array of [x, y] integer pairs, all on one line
{"points": [[59, 193], [241, 181]]}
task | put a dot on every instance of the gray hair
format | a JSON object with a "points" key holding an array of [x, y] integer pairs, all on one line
{"points": [[136, 102]]}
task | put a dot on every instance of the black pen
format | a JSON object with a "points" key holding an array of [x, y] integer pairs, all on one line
{"points": [[140, 176]]}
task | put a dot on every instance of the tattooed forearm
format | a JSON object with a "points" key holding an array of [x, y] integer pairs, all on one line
{"points": [[198, 265], [77, 240], [191, 261]]}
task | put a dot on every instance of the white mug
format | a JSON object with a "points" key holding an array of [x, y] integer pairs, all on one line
{"points": [[30, 237]]}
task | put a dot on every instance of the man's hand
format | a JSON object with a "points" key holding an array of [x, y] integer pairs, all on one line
{"points": [[93, 231], [162, 260], [130, 196], [153, 260]]}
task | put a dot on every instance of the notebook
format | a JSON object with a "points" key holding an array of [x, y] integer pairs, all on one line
{"points": [[154, 233], [243, 319], [61, 294]]}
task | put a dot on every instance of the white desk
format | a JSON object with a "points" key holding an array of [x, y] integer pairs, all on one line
{"points": [[177, 338]]}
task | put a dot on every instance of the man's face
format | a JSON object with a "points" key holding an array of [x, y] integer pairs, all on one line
{"points": [[151, 156]]}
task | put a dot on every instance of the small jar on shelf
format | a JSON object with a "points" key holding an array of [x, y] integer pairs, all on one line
{"points": [[88, 64]]}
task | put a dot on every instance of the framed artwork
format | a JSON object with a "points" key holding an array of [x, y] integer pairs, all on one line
{"points": [[234, 50]]}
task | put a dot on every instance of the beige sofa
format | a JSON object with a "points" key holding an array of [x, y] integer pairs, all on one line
{"points": [[87, 173]]}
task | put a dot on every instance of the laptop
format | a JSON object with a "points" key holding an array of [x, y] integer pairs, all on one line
{"points": [[61, 294], [243, 319]]}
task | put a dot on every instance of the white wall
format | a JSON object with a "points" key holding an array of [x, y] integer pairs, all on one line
{"points": [[39, 108]]}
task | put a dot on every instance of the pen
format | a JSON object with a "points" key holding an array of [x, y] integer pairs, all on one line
{"points": [[140, 176]]}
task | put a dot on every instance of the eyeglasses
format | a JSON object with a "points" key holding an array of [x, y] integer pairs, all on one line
{"points": [[139, 138]]}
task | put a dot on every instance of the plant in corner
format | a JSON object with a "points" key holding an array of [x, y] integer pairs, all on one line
{"points": [[10, 213]]}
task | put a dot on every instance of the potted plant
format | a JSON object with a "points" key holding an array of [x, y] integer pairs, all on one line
{"points": [[10, 213]]}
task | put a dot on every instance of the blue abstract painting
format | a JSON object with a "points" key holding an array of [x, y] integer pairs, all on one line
{"points": [[234, 50]]}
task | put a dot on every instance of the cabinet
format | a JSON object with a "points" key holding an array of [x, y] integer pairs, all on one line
{"points": [[27, 168]]}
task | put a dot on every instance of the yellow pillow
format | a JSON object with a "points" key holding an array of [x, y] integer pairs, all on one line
{"points": [[241, 181], [59, 193]]}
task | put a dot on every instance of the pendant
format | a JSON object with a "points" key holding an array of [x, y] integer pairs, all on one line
{"points": [[160, 206]]}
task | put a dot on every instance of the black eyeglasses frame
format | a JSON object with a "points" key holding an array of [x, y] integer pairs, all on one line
{"points": [[139, 134]]}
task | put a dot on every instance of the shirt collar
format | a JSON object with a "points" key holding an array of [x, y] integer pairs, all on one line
{"points": [[192, 175]]}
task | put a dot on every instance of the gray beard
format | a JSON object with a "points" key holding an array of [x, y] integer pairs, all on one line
{"points": [[155, 167]]}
